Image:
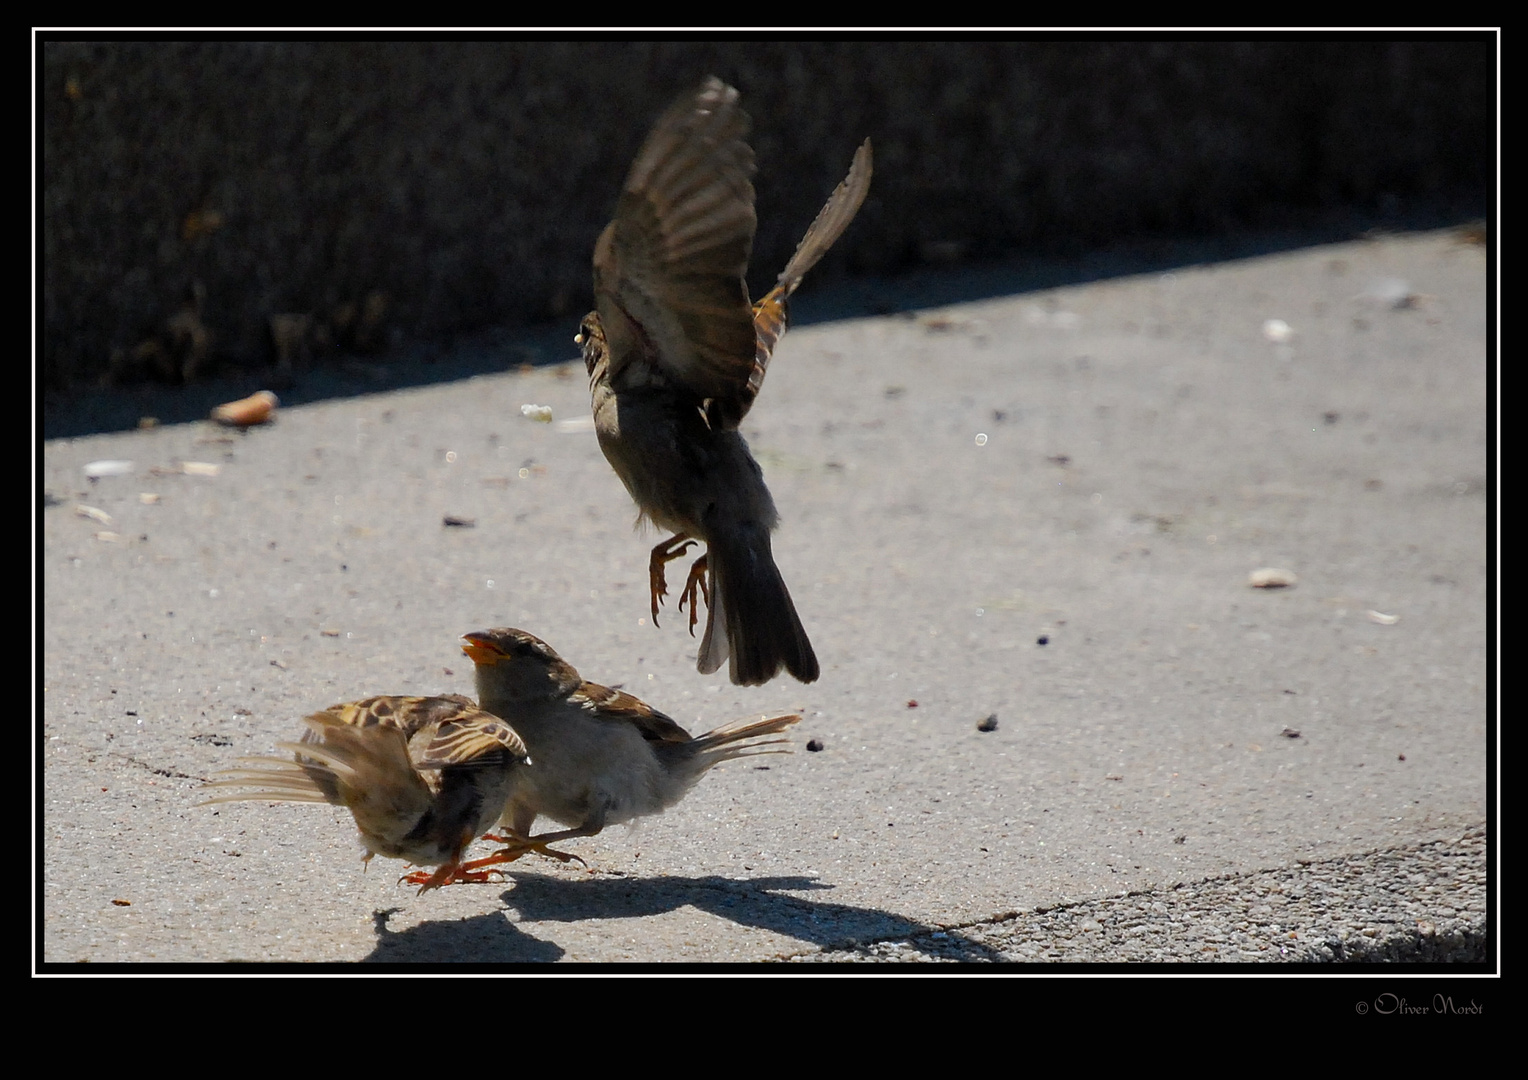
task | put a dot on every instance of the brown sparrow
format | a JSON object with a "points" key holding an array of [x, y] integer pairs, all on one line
{"points": [[676, 355], [602, 756], [423, 776]]}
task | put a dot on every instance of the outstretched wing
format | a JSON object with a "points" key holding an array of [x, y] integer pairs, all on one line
{"points": [[771, 314], [669, 269]]}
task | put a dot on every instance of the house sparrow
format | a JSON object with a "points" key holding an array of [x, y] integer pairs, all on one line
{"points": [[602, 757], [423, 776], [676, 355]]}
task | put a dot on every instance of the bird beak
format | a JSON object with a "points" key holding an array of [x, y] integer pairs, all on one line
{"points": [[481, 652]]}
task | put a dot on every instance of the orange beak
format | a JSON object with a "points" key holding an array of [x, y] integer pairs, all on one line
{"points": [[481, 652]]}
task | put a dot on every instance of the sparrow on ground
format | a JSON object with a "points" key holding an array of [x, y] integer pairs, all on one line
{"points": [[602, 756], [676, 355], [423, 776]]}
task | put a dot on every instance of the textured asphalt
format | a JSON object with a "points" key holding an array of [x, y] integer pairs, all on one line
{"points": [[1098, 467]]}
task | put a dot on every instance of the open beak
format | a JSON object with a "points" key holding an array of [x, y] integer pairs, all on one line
{"points": [[480, 652]]}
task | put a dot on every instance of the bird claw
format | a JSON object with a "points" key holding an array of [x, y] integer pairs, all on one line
{"points": [[665, 552], [459, 873], [477, 871], [696, 580]]}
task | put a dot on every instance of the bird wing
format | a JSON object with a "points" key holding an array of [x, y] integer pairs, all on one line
{"points": [[468, 736], [409, 715], [669, 269], [771, 314], [620, 707]]}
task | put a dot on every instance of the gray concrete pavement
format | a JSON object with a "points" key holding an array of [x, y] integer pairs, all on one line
{"points": [[1102, 465]]}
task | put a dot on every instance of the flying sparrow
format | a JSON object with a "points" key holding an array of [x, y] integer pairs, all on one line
{"points": [[602, 756], [676, 355], [423, 776]]}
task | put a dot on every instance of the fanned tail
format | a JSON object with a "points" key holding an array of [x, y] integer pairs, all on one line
{"points": [[730, 734], [752, 621], [365, 769], [745, 738]]}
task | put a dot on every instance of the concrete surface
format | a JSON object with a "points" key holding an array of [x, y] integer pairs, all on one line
{"points": [[1102, 465]]}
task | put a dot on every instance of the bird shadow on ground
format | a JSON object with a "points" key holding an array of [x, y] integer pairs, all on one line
{"points": [[482, 939], [764, 903]]}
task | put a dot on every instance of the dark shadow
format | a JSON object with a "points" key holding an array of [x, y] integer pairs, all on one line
{"points": [[86, 412], [482, 939], [929, 287], [754, 902], [120, 408]]}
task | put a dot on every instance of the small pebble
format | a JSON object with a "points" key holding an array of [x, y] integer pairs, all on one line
{"points": [[258, 408], [1277, 331]]}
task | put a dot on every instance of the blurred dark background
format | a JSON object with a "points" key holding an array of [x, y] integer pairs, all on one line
{"points": [[241, 213]]}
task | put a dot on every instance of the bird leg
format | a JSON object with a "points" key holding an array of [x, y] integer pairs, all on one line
{"points": [[521, 845], [697, 580], [453, 871], [518, 846], [477, 871], [667, 551]]}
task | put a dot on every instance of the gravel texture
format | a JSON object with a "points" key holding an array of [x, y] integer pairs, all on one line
{"points": [[1423, 902]]}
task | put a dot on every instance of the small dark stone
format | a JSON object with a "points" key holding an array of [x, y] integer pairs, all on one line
{"points": [[814, 745], [989, 724], [1043, 639]]}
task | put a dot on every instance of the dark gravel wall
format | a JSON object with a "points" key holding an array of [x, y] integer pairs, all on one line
{"points": [[228, 206]]}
